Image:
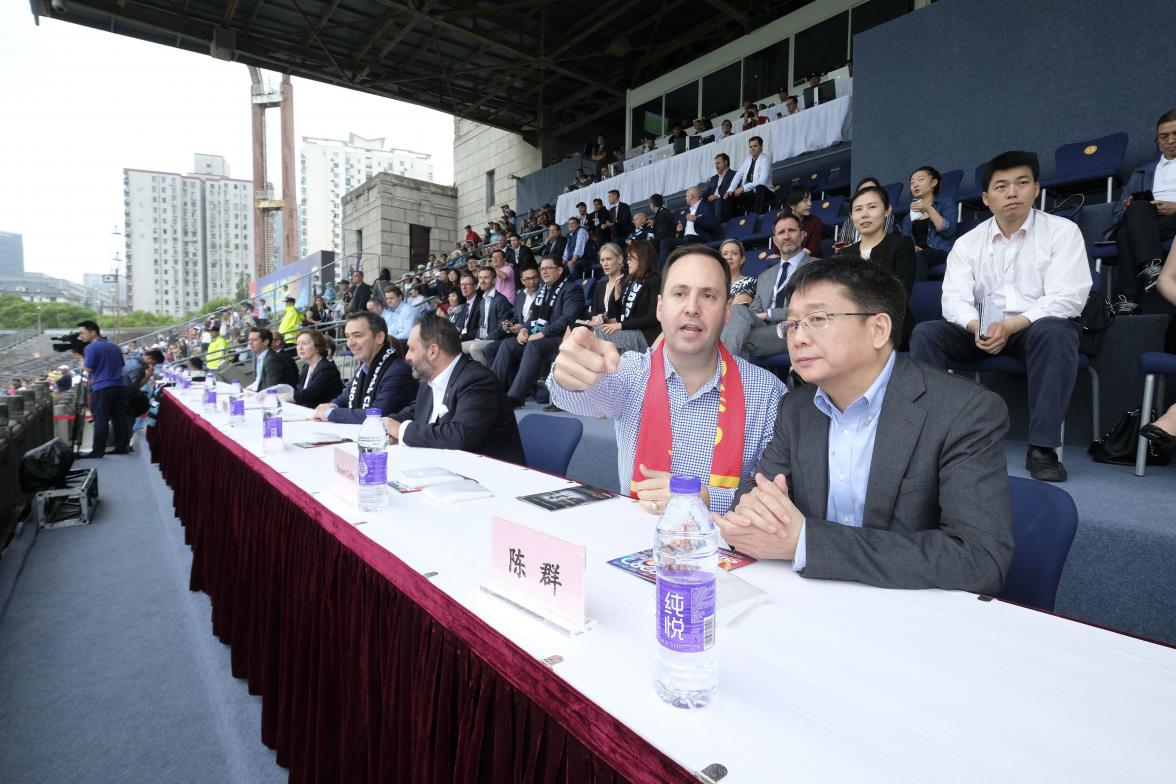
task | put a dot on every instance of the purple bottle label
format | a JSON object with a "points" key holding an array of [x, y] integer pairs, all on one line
{"points": [[271, 427], [185, 383], [210, 397], [686, 614], [373, 468], [237, 407]]}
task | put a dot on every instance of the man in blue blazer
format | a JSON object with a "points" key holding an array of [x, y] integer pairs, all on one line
{"points": [[718, 185], [383, 379], [520, 358], [461, 405], [698, 223]]}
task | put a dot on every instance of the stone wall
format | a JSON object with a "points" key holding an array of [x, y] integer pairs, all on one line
{"points": [[478, 149], [383, 208]]}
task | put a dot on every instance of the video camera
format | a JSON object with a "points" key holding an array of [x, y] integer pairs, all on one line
{"points": [[71, 343]]}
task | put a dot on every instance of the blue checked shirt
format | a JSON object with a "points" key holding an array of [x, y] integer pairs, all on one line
{"points": [[851, 452], [692, 420]]}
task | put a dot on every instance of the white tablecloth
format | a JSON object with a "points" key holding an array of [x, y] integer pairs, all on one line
{"points": [[812, 129], [827, 681]]}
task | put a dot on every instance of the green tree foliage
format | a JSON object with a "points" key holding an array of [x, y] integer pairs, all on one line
{"points": [[15, 313]]}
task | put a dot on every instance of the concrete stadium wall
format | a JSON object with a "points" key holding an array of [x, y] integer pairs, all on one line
{"points": [[1003, 74]]}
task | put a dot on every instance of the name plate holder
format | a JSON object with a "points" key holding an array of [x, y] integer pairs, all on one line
{"points": [[544, 576], [345, 482]]}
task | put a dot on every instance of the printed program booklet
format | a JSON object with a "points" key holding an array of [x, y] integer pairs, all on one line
{"points": [[641, 563], [567, 498]]}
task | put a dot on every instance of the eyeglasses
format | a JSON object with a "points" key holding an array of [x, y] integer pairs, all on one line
{"points": [[818, 319]]}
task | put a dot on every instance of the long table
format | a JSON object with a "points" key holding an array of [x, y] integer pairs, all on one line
{"points": [[371, 671], [813, 129]]}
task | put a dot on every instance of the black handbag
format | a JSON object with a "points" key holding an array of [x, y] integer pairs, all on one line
{"points": [[1097, 317], [1119, 444]]}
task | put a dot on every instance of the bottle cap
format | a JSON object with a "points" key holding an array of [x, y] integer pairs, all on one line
{"points": [[685, 485], [372, 411]]}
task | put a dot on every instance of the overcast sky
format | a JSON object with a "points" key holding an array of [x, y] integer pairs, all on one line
{"points": [[79, 105]]}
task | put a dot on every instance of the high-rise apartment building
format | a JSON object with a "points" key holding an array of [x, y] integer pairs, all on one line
{"points": [[189, 237], [11, 253], [331, 168]]}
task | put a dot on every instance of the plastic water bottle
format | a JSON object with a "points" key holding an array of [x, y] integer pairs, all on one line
{"points": [[236, 406], [209, 393], [373, 463], [185, 385], [686, 670], [271, 423]]}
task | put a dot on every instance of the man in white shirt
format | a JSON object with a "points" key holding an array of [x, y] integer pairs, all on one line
{"points": [[484, 317], [1142, 224], [1016, 285], [462, 405], [752, 187]]}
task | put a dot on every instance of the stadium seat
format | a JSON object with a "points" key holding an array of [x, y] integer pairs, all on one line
{"points": [[949, 186], [1151, 364], [757, 262], [893, 190], [829, 211], [838, 181], [926, 301], [815, 182], [1086, 161], [589, 286], [549, 441], [779, 364], [973, 193], [1044, 523]]}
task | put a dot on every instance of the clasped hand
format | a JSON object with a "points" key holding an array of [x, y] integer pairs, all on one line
{"points": [[765, 523]]}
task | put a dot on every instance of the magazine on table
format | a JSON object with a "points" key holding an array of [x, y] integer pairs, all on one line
{"points": [[567, 497]]}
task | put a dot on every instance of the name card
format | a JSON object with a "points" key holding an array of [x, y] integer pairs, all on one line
{"points": [[541, 574], [346, 479]]}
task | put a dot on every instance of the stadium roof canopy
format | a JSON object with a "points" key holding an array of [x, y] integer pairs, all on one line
{"points": [[521, 65]]}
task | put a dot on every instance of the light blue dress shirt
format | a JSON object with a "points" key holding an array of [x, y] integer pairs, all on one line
{"points": [[401, 320], [851, 450]]}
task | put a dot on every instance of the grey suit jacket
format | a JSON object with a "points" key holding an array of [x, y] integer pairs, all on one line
{"points": [[765, 291], [937, 510]]}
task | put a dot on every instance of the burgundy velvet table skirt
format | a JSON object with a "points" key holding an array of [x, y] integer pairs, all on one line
{"points": [[366, 672]]}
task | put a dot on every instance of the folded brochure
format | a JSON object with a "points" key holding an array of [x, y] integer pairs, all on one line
{"points": [[641, 563], [567, 497]]}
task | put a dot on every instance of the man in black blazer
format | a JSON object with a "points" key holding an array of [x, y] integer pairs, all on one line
{"points": [[461, 405], [360, 293], [484, 318], [554, 246], [880, 470], [717, 187], [698, 224], [520, 256], [520, 357], [664, 227], [270, 366], [620, 220]]}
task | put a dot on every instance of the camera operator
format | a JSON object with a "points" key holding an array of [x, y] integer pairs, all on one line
{"points": [[104, 363]]}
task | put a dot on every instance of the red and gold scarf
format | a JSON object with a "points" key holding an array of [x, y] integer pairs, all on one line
{"points": [[655, 439]]}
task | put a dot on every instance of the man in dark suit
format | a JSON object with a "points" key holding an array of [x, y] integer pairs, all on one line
{"points": [[554, 246], [751, 331], [484, 318], [382, 379], [698, 224], [520, 358], [360, 293], [520, 256], [717, 187], [461, 405], [663, 227], [620, 220], [270, 366], [880, 470]]}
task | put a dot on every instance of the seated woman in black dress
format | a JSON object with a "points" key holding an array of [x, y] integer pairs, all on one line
{"points": [[870, 211], [636, 327], [319, 380]]}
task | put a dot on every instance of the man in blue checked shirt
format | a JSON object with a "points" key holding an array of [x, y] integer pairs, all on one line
{"points": [[670, 403]]}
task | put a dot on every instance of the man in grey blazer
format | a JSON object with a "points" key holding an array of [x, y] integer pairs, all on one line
{"points": [[751, 332], [880, 470]]}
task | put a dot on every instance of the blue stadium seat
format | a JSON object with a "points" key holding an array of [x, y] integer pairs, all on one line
{"points": [[549, 441], [1151, 364], [973, 193], [765, 224], [589, 286], [1086, 161], [829, 211], [949, 186], [1044, 523], [778, 364], [893, 190], [757, 262], [838, 181], [926, 301], [815, 182]]}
